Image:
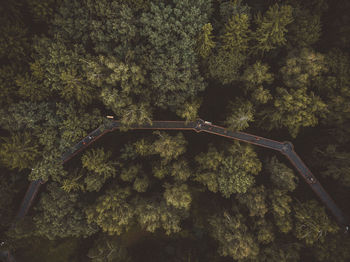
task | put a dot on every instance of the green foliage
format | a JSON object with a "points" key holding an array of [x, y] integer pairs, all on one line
{"points": [[232, 8], [281, 176], [305, 29], [225, 65], [152, 214], [228, 172], [169, 52], [336, 248], [19, 151], [205, 41], [177, 195], [265, 231], [26, 115], [59, 214], [278, 252], [236, 34], [254, 199], [281, 209], [233, 237], [49, 167], [336, 163], [294, 109], [257, 74], [189, 111], [242, 112], [108, 249], [334, 84], [302, 67], [141, 184], [73, 183], [271, 28], [101, 168], [261, 95], [41, 10], [169, 147], [180, 170], [75, 123], [129, 173], [312, 222], [112, 212]]}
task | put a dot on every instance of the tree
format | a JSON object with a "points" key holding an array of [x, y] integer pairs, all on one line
{"points": [[141, 184], [271, 28], [113, 211], [19, 151], [261, 95], [180, 170], [254, 199], [281, 209], [335, 163], [108, 249], [169, 51], [277, 252], [281, 176], [233, 237], [189, 111], [177, 195], [265, 231], [27, 115], [302, 67], [334, 86], [153, 214], [312, 222], [225, 65], [230, 171], [128, 174], [241, 113], [231, 8], [101, 168], [169, 147], [257, 74], [335, 248], [75, 123], [293, 109], [49, 166], [205, 41], [59, 214], [236, 34], [305, 29]]}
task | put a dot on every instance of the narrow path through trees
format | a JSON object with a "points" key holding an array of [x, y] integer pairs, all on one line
{"points": [[285, 148]]}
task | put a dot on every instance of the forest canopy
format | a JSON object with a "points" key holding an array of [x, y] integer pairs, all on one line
{"points": [[278, 69]]}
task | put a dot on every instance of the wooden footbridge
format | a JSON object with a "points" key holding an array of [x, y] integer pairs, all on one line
{"points": [[286, 148]]}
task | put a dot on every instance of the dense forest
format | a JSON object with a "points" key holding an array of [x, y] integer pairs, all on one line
{"points": [[275, 68]]}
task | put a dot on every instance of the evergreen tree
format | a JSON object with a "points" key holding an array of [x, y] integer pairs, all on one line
{"points": [[242, 112], [271, 28], [19, 151], [59, 214], [205, 41], [293, 109]]}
